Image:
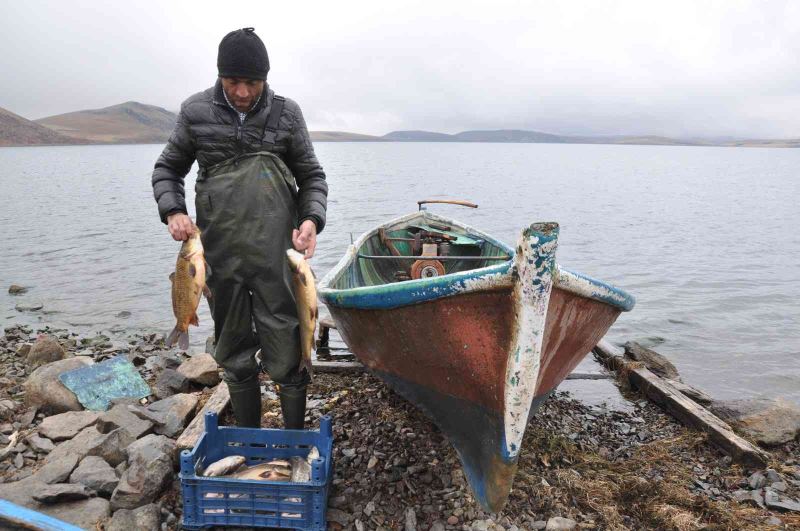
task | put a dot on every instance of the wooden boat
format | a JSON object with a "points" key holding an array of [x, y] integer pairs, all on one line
{"points": [[475, 333]]}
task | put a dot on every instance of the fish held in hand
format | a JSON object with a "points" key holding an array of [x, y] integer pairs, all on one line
{"points": [[226, 465], [188, 285], [305, 293]]}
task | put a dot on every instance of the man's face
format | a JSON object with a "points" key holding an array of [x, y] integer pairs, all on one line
{"points": [[242, 92]]}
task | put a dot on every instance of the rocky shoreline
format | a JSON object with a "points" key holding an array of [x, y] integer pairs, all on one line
{"points": [[582, 467]]}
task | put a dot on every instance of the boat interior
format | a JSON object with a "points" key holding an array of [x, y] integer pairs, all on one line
{"points": [[418, 248]]}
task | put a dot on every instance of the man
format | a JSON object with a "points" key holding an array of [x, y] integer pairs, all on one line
{"points": [[259, 191]]}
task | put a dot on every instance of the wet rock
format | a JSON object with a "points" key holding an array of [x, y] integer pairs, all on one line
{"points": [[57, 471], [120, 416], [124, 314], [170, 382], [46, 349], [16, 289], [201, 369], [558, 523], [44, 390], [176, 411], [29, 306], [66, 425], [145, 518], [110, 446], [40, 444], [768, 421], [59, 492], [652, 360], [95, 474], [150, 468]]}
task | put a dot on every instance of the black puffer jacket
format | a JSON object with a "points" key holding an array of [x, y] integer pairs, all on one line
{"points": [[209, 131]]}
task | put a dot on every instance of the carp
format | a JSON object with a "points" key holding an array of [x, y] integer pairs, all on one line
{"points": [[305, 293], [188, 284]]}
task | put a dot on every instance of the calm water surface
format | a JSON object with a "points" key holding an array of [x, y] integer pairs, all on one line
{"points": [[707, 239]]}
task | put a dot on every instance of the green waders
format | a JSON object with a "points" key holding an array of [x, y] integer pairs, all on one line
{"points": [[246, 210]]}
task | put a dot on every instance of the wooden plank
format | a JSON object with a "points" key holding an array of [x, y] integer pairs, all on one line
{"points": [[588, 376], [217, 404], [337, 367], [682, 407]]}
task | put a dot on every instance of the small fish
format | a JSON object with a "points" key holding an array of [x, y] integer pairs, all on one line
{"points": [[266, 472], [224, 466], [188, 284], [301, 470], [305, 292]]}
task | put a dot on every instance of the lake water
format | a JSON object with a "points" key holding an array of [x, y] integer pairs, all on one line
{"points": [[707, 239]]}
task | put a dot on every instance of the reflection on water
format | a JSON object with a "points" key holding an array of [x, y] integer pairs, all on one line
{"points": [[706, 238]]}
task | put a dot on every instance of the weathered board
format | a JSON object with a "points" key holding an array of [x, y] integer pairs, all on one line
{"points": [[682, 407], [217, 403]]}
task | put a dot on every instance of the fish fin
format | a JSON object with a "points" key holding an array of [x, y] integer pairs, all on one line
{"points": [[302, 277], [172, 277], [208, 268], [312, 273], [173, 336], [195, 321], [192, 270], [305, 363], [183, 341], [206, 291]]}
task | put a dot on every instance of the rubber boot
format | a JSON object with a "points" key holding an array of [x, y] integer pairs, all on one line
{"points": [[293, 407], [246, 403]]}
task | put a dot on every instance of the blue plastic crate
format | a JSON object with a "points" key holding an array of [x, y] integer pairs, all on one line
{"points": [[220, 501]]}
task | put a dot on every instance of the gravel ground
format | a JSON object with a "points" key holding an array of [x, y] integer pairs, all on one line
{"points": [[582, 467]]}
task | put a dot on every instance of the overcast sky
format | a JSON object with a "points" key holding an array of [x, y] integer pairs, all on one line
{"points": [[696, 68]]}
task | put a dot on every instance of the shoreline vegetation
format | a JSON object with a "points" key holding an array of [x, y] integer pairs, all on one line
{"points": [[137, 123], [582, 466]]}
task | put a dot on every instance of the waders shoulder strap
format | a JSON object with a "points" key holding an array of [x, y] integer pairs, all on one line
{"points": [[271, 123]]}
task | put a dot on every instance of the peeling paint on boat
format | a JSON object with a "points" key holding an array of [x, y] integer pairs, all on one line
{"points": [[535, 265], [592, 288]]}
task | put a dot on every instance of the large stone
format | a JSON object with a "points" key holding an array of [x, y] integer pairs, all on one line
{"points": [[201, 369], [57, 471], [66, 425], [46, 349], [40, 444], [767, 421], [110, 446], [170, 382], [120, 416], [145, 518], [16, 289], [176, 411], [96, 474], [150, 469], [652, 360], [86, 514], [59, 492], [44, 390]]}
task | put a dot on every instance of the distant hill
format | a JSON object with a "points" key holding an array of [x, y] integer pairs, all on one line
{"points": [[127, 123], [18, 131], [418, 136], [339, 136]]}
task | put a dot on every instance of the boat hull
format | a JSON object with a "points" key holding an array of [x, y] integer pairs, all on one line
{"points": [[449, 357]]}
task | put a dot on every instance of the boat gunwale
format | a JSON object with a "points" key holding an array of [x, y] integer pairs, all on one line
{"points": [[397, 294]]}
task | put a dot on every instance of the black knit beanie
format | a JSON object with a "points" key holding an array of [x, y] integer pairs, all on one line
{"points": [[243, 54]]}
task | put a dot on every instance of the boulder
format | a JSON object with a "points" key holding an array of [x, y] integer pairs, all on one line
{"points": [[770, 422], [110, 446], [46, 349], [119, 416], [176, 411], [652, 360], [16, 289], [57, 471], [201, 369], [150, 469], [86, 514], [170, 382], [96, 474], [44, 390], [58, 492], [145, 518], [66, 425]]}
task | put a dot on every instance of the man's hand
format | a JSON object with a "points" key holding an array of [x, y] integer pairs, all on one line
{"points": [[305, 239], [180, 227]]}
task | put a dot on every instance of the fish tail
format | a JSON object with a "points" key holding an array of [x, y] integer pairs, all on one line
{"points": [[181, 337], [305, 363]]}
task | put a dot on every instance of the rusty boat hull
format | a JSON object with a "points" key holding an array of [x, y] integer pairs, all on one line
{"points": [[478, 349]]}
